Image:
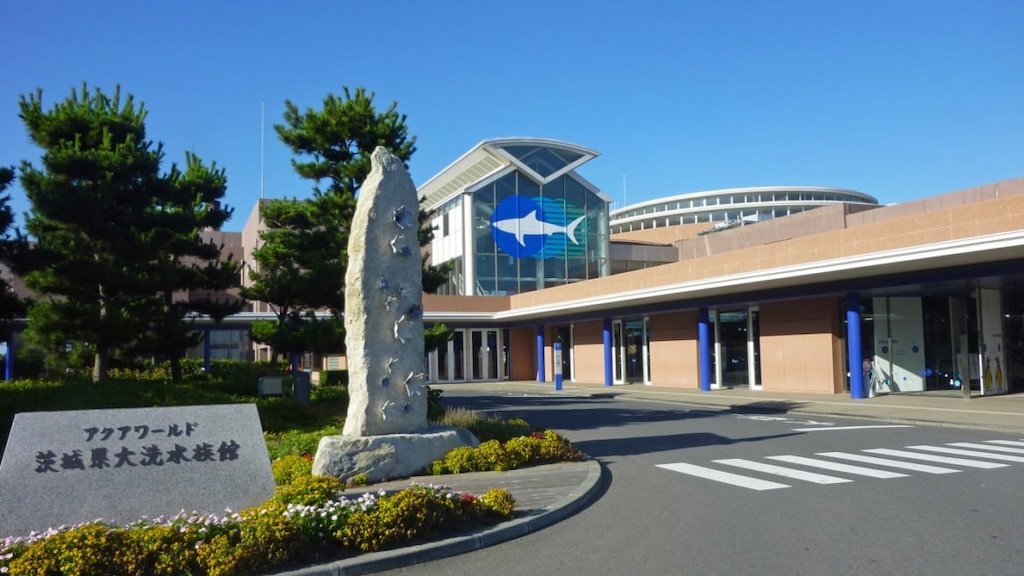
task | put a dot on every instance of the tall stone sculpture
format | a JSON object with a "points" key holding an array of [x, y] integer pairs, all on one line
{"points": [[384, 306], [386, 432]]}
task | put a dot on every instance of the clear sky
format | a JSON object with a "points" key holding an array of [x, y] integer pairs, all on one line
{"points": [[900, 99]]}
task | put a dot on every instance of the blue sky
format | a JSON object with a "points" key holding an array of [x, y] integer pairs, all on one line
{"points": [[901, 99]]}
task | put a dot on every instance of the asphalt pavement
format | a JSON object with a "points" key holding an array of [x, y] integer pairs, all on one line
{"points": [[547, 494]]}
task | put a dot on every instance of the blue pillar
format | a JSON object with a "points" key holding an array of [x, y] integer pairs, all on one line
{"points": [[855, 353], [295, 362], [9, 361], [607, 330], [206, 350], [704, 350], [540, 354], [557, 365]]}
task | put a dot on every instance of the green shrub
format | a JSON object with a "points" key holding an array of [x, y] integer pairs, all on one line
{"points": [[334, 377], [90, 550], [289, 467], [498, 502], [409, 516], [265, 538], [297, 443], [556, 448], [362, 479], [435, 409], [308, 490], [538, 448]]}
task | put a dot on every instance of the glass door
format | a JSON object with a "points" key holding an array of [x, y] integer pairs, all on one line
{"points": [[737, 348], [449, 359], [629, 350], [483, 354]]}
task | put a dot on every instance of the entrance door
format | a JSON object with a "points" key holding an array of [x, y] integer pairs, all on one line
{"points": [[483, 354], [630, 345], [737, 348], [450, 359]]}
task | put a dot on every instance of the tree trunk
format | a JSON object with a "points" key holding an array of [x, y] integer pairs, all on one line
{"points": [[175, 368]]}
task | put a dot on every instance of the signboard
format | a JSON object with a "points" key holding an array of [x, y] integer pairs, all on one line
{"points": [[62, 468], [993, 378], [899, 343]]}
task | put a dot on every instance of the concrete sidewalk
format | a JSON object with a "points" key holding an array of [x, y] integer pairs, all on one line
{"points": [[548, 494]]}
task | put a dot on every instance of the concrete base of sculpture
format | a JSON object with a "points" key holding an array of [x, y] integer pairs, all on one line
{"points": [[388, 456]]}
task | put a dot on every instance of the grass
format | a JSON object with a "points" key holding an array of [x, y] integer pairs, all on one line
{"points": [[290, 429], [288, 425]]}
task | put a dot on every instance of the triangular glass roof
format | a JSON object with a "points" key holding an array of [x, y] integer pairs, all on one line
{"points": [[543, 160]]}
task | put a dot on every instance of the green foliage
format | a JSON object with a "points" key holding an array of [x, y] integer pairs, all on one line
{"points": [[435, 335], [492, 455], [258, 540], [114, 238], [409, 516], [300, 270], [10, 305], [265, 538], [289, 427], [308, 490], [498, 502], [435, 409], [362, 479], [483, 426], [334, 377], [289, 467]]}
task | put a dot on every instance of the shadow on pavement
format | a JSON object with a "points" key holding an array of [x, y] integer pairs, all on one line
{"points": [[650, 444]]}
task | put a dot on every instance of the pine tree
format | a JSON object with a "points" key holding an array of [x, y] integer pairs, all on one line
{"points": [[11, 305], [112, 235], [304, 247]]}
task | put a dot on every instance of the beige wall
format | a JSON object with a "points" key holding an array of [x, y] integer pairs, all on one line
{"points": [[674, 351], [522, 349], [801, 346], [588, 352]]}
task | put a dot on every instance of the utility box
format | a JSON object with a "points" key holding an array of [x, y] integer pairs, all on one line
{"points": [[270, 386], [301, 384]]}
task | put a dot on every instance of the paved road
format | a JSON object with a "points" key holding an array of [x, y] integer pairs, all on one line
{"points": [[703, 491]]}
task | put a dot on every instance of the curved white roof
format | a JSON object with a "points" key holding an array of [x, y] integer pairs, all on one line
{"points": [[713, 204], [541, 159]]}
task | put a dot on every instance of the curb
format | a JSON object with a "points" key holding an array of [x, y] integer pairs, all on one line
{"points": [[401, 557]]}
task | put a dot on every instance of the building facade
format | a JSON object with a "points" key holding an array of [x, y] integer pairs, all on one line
{"points": [[850, 297]]}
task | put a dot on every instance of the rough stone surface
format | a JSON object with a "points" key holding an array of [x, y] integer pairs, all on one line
{"points": [[62, 468], [384, 306], [387, 456]]}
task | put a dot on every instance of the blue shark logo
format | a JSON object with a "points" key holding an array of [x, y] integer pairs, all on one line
{"points": [[540, 227]]}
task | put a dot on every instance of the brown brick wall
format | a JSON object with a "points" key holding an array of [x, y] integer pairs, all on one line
{"points": [[674, 353], [801, 347]]}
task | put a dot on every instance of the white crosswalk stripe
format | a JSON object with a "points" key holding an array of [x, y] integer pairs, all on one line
{"points": [[971, 453], [934, 458], [988, 447], [725, 477], [953, 457], [838, 467], [1006, 442], [783, 471], [890, 463]]}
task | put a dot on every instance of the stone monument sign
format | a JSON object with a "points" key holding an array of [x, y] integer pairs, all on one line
{"points": [[63, 468]]}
